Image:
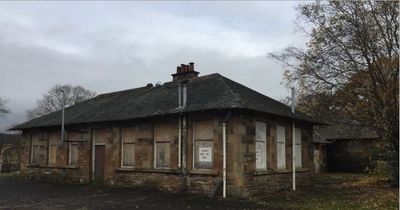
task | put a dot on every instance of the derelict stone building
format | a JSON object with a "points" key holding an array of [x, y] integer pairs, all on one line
{"points": [[171, 137]]}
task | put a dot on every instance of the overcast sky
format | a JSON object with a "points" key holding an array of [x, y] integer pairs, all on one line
{"points": [[111, 46]]}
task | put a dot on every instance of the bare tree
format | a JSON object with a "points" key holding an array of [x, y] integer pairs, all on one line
{"points": [[3, 109], [352, 58], [53, 99]]}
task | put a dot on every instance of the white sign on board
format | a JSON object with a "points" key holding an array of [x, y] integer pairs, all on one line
{"points": [[258, 156], [205, 154]]}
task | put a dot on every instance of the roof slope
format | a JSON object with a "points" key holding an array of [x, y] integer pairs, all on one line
{"points": [[344, 130], [203, 93]]}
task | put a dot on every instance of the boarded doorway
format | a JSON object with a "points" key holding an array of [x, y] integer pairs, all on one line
{"points": [[99, 163]]}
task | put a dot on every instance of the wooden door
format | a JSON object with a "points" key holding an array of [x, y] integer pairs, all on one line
{"points": [[99, 163]]}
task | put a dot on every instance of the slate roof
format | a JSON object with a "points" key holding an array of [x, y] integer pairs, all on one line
{"points": [[209, 92], [344, 130]]}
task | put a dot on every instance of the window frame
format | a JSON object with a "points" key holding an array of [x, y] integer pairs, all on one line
{"points": [[298, 143], [38, 138], [32, 149], [155, 155], [156, 142], [278, 142], [122, 147], [263, 144], [194, 143], [53, 145], [70, 146]]}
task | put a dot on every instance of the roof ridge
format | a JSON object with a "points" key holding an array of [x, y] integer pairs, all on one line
{"points": [[120, 91]]}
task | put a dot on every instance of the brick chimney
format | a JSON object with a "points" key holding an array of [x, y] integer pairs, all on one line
{"points": [[185, 72]]}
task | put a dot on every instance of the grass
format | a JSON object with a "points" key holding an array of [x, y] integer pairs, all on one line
{"points": [[14, 176], [339, 191], [9, 175]]}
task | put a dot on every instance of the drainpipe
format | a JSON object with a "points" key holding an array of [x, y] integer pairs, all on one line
{"points": [[182, 135], [224, 160], [186, 179], [293, 144], [224, 155], [179, 141], [184, 141], [62, 115]]}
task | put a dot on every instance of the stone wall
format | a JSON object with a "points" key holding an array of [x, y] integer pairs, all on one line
{"points": [[167, 181], [243, 180], [246, 180], [275, 182], [60, 171]]}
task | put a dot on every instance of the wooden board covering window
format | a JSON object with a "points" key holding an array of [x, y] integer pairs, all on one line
{"points": [[281, 146], [203, 140], [54, 141], [101, 135], [39, 148], [74, 150], [128, 146], [165, 136], [261, 146], [298, 149], [144, 146]]}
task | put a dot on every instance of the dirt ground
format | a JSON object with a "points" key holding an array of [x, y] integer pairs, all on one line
{"points": [[330, 191], [16, 193]]}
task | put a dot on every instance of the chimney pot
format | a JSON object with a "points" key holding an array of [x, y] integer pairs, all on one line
{"points": [[185, 72], [191, 66]]}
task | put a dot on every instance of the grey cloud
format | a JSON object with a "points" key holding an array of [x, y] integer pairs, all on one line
{"points": [[113, 46]]}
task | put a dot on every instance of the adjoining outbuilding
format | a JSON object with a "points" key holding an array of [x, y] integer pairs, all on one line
{"points": [[350, 146], [197, 134], [320, 153]]}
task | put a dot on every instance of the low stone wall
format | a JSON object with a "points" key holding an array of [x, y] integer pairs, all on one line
{"points": [[57, 175], [163, 181], [274, 182], [167, 181]]}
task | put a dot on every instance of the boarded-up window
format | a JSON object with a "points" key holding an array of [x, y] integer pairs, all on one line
{"points": [[261, 146], [144, 144], [280, 147], [100, 135], [163, 154], [128, 146], [54, 140], [298, 148], [39, 148], [203, 136], [74, 153], [164, 135]]}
